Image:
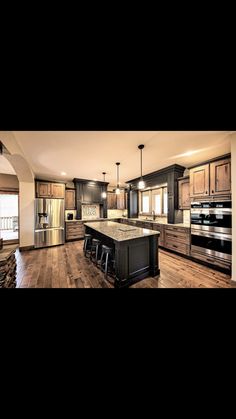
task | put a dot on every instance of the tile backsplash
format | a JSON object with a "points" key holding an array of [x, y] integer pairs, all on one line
{"points": [[116, 213], [90, 212]]}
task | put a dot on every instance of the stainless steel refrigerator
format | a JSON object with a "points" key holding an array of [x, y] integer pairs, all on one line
{"points": [[49, 222]]}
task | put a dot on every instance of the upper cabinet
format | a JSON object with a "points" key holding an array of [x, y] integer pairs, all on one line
{"points": [[111, 200], [58, 190], [70, 199], [184, 193], [220, 177], [115, 201], [213, 178], [50, 190], [121, 201], [199, 181], [43, 189]]}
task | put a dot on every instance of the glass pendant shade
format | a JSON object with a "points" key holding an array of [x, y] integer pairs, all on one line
{"points": [[141, 184]]}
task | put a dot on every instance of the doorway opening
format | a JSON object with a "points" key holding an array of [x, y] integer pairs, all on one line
{"points": [[9, 217]]}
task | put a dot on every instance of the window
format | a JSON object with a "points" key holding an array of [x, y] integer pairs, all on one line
{"points": [[155, 200], [145, 202], [157, 207], [9, 216]]}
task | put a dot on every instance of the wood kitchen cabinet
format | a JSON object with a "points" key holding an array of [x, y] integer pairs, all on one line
{"points": [[58, 190], [121, 201], [199, 181], [184, 193], [111, 200], [50, 190], [70, 199], [211, 179], [43, 189], [220, 177]]}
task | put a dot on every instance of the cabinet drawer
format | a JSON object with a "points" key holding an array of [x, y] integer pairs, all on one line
{"points": [[178, 229], [180, 237], [178, 247], [71, 226], [211, 259]]}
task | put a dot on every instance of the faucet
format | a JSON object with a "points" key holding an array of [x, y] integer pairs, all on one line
{"points": [[154, 215]]}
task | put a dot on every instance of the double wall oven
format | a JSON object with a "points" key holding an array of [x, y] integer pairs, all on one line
{"points": [[211, 232]]}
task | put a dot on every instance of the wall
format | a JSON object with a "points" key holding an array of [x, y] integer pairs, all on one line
{"points": [[8, 182], [233, 178], [26, 210]]}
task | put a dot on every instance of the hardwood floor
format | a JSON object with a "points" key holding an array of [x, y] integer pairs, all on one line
{"points": [[66, 267]]}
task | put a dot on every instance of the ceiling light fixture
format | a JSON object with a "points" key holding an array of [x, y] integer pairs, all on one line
{"points": [[63, 173], [118, 183], [104, 194], [141, 184]]}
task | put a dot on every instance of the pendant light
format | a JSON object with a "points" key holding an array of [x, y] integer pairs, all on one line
{"points": [[104, 194], [117, 186], [141, 184]]}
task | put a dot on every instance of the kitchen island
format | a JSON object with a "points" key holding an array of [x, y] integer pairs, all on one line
{"points": [[135, 250]]}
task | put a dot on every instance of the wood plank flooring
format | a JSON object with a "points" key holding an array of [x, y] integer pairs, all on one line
{"points": [[66, 267]]}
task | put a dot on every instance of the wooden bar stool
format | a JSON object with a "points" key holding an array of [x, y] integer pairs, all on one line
{"points": [[107, 260], [94, 250], [87, 244]]}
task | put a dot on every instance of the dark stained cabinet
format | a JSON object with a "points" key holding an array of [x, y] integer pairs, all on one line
{"points": [[50, 190], [70, 199], [184, 193], [199, 181], [220, 177]]}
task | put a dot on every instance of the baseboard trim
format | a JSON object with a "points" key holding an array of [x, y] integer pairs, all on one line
{"points": [[25, 248]]}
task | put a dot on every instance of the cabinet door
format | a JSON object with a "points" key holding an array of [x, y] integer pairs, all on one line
{"points": [[121, 201], [184, 194], [70, 199], [220, 175], [43, 189], [199, 181], [58, 190], [111, 200]]}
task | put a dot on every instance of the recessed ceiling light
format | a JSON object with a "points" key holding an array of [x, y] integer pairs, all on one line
{"points": [[63, 173]]}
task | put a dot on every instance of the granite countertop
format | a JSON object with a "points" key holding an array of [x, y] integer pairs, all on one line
{"points": [[120, 232], [132, 219], [92, 221], [186, 225], [7, 251]]}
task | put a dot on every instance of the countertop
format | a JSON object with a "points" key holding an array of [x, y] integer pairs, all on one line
{"points": [[121, 232], [186, 225], [92, 221], [132, 219], [6, 252]]}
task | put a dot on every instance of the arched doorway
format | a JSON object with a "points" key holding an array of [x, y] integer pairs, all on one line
{"points": [[9, 203], [13, 154]]}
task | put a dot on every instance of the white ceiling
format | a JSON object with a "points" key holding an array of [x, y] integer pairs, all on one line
{"points": [[86, 154], [6, 167]]}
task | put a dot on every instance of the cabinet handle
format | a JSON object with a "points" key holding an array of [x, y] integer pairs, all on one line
{"points": [[174, 245], [212, 191], [206, 192]]}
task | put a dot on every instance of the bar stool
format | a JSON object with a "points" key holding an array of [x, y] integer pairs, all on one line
{"points": [[94, 250], [87, 244], [107, 253]]}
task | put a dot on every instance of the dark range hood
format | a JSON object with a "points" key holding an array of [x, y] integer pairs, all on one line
{"points": [[90, 192]]}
